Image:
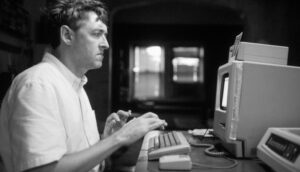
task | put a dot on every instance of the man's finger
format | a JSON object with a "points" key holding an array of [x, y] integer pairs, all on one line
{"points": [[152, 121], [157, 124], [114, 117], [149, 115], [123, 114]]}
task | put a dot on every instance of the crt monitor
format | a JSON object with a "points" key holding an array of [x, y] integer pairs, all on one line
{"points": [[252, 97]]}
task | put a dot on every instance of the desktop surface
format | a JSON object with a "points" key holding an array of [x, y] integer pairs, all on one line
{"points": [[197, 155]]}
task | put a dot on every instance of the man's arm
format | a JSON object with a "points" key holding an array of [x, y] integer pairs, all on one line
{"points": [[87, 159], [83, 160]]}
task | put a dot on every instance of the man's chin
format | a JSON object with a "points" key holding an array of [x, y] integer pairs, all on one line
{"points": [[98, 65]]}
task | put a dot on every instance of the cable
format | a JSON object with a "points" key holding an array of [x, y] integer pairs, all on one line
{"points": [[209, 151], [235, 163]]}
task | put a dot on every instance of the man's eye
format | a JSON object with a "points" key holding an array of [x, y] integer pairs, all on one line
{"points": [[97, 34]]}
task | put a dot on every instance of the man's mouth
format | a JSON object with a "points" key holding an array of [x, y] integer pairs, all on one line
{"points": [[100, 56], [100, 53]]}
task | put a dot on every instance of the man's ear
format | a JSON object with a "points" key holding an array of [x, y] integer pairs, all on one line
{"points": [[66, 34]]}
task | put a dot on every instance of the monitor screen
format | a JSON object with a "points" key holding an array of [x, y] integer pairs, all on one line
{"points": [[224, 93]]}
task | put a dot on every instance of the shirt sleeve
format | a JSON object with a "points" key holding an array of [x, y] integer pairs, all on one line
{"points": [[37, 134]]}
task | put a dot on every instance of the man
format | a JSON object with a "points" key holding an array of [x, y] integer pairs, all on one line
{"points": [[46, 120]]}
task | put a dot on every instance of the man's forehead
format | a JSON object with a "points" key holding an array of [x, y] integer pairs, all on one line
{"points": [[91, 19]]}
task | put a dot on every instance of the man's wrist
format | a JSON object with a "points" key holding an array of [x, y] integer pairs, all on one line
{"points": [[119, 139]]}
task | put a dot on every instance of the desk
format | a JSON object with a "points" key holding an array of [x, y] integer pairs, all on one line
{"points": [[197, 155]]}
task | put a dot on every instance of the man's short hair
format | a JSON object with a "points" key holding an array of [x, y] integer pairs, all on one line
{"points": [[69, 12]]}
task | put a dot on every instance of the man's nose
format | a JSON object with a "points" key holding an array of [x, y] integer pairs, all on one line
{"points": [[104, 43]]}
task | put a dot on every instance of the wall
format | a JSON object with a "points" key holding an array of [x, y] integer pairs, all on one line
{"points": [[271, 22], [15, 52]]}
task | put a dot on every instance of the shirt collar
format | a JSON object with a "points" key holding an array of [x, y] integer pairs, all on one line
{"points": [[76, 82]]}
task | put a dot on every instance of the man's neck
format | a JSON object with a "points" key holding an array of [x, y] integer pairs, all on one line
{"points": [[66, 59]]}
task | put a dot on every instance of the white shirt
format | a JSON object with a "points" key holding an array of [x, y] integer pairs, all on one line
{"points": [[45, 115]]}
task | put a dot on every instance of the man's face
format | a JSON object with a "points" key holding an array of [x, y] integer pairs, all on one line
{"points": [[89, 42]]}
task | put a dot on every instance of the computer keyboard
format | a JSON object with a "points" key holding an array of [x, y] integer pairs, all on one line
{"points": [[167, 143]]}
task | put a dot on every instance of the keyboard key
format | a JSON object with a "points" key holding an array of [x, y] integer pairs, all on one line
{"points": [[151, 144], [156, 143], [172, 140], [162, 141], [176, 137], [167, 141]]}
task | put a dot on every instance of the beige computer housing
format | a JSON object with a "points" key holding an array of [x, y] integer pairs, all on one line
{"points": [[260, 95]]}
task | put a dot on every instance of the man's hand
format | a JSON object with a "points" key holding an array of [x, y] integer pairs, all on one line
{"points": [[138, 127], [115, 121]]}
